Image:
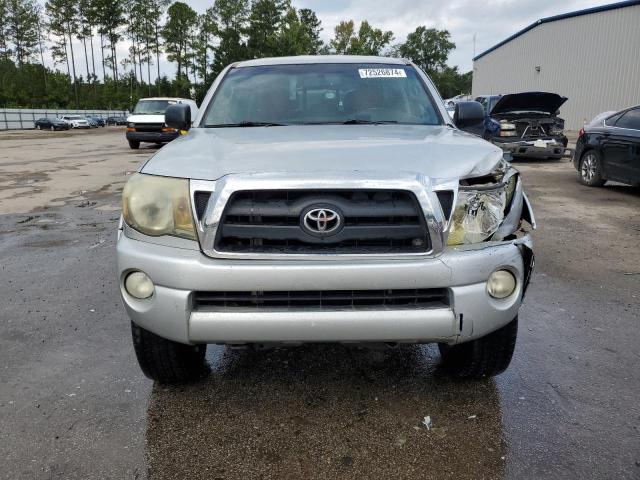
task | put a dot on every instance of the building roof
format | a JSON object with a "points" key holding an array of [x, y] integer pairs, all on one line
{"points": [[310, 59], [577, 13]]}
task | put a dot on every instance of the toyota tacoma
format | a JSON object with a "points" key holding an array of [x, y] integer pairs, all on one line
{"points": [[324, 199]]}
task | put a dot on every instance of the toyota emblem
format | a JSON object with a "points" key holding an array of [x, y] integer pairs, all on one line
{"points": [[321, 221]]}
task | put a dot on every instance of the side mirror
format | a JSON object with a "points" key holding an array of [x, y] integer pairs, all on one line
{"points": [[468, 114], [178, 117]]}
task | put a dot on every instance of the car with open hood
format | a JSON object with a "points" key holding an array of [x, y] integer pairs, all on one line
{"points": [[524, 124], [324, 199]]}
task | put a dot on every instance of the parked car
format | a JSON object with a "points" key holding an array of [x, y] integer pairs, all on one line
{"points": [[450, 109], [324, 199], [98, 120], [451, 102], [92, 122], [51, 124], [609, 149], [524, 124], [116, 120], [146, 123], [76, 121]]}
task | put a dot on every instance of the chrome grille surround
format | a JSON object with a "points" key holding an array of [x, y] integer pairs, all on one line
{"points": [[222, 189]]}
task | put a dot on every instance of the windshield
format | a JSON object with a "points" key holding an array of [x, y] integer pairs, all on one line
{"points": [[152, 107], [321, 94]]}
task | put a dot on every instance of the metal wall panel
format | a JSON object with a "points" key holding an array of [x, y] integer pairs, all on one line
{"points": [[594, 60]]}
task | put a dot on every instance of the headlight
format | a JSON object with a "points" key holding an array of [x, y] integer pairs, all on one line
{"points": [[556, 130], [131, 125], [481, 205], [477, 215], [158, 206], [507, 129]]}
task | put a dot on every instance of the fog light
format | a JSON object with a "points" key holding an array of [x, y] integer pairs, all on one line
{"points": [[501, 284], [138, 285]]}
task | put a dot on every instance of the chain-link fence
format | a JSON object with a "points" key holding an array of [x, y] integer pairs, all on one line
{"points": [[24, 118]]}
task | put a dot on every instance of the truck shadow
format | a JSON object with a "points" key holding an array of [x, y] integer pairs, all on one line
{"points": [[325, 411]]}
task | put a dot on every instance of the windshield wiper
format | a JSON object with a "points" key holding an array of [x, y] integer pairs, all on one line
{"points": [[246, 124], [358, 121]]}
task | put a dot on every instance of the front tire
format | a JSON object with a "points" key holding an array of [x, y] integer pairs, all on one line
{"points": [[484, 357], [590, 171], [134, 144], [166, 361]]}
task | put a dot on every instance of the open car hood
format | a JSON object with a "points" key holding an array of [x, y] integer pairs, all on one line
{"points": [[529, 102]]}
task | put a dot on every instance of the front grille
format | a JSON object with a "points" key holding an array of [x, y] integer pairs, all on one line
{"points": [[527, 129], [149, 127], [323, 299], [373, 222]]}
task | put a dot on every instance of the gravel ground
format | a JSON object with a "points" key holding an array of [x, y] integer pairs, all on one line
{"points": [[73, 403]]}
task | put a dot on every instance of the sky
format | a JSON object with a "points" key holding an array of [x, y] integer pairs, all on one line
{"points": [[490, 21]]}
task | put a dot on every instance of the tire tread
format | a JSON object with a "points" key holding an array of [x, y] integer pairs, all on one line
{"points": [[487, 356], [167, 361]]}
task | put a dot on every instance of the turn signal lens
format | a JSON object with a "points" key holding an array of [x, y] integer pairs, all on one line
{"points": [[501, 284]]}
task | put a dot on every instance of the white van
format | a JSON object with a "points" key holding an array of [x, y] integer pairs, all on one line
{"points": [[146, 123]]}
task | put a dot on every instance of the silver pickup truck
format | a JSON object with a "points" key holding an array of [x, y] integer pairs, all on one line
{"points": [[324, 199]]}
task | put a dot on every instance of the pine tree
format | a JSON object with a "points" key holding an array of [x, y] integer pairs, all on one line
{"points": [[22, 29]]}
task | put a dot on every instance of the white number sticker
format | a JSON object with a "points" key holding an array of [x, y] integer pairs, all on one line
{"points": [[382, 73]]}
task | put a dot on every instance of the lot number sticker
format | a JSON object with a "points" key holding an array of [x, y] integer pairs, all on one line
{"points": [[382, 73]]}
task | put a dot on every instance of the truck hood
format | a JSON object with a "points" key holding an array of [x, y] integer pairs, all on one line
{"points": [[529, 102], [434, 151], [146, 118]]}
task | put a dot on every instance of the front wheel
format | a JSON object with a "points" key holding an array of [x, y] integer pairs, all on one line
{"points": [[166, 361], [484, 357], [591, 169], [134, 144]]}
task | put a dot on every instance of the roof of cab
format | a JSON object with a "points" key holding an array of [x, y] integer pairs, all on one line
{"points": [[311, 59]]}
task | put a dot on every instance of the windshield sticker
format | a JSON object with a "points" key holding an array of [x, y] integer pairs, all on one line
{"points": [[382, 73]]}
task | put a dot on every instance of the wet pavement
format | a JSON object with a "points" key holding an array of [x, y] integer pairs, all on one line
{"points": [[73, 403]]}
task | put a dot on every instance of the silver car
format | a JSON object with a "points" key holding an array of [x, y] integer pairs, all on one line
{"points": [[324, 199]]}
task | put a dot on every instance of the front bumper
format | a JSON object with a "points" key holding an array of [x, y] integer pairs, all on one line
{"points": [[556, 147], [153, 137], [178, 272]]}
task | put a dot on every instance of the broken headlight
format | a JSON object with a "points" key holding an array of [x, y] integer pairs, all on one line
{"points": [[158, 206], [481, 206]]}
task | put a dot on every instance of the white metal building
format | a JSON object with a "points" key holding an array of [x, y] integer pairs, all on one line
{"points": [[591, 56]]}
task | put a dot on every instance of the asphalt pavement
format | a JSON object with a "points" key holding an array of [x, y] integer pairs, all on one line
{"points": [[74, 404]]}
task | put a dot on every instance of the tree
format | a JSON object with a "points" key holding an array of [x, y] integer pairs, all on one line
{"points": [[368, 40], [265, 20], [109, 16], [5, 51], [176, 32], [231, 17], [429, 48], [22, 29], [203, 43], [155, 11], [312, 29], [87, 20], [62, 23], [450, 82]]}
